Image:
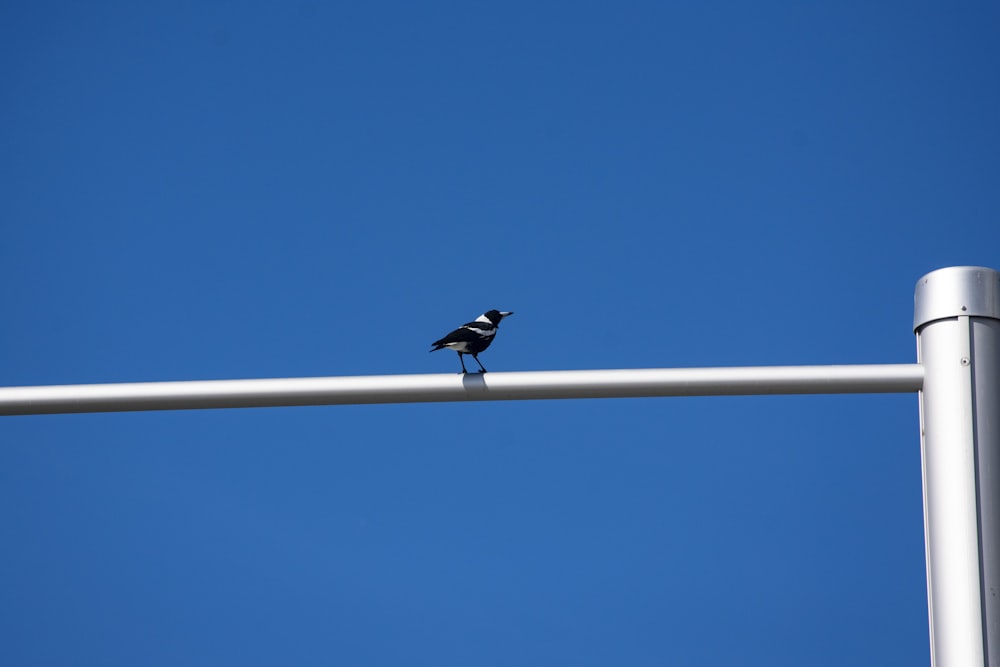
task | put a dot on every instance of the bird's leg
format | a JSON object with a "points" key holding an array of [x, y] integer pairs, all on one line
{"points": [[476, 357], [462, 361]]}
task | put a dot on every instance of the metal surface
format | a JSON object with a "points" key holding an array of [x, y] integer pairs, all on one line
{"points": [[986, 344], [957, 319], [954, 291], [858, 379]]}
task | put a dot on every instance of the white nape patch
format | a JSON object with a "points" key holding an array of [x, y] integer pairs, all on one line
{"points": [[460, 346], [483, 318]]}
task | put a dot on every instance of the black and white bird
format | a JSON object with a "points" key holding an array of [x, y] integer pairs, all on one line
{"points": [[472, 338]]}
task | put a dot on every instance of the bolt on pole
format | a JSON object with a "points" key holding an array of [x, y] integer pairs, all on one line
{"points": [[957, 323]]}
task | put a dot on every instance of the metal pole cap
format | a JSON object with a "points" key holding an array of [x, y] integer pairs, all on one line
{"points": [[956, 291]]}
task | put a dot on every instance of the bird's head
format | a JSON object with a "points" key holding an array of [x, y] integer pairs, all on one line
{"points": [[495, 316]]}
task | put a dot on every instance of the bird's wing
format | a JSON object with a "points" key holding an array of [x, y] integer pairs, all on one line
{"points": [[460, 335], [481, 328]]}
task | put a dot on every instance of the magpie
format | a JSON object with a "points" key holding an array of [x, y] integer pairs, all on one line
{"points": [[472, 338]]}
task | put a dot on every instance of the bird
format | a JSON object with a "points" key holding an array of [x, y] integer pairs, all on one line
{"points": [[473, 337]]}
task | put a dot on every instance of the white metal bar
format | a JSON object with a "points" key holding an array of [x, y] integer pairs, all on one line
{"points": [[957, 321], [856, 379]]}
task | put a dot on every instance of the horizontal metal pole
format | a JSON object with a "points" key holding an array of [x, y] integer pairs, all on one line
{"points": [[856, 379]]}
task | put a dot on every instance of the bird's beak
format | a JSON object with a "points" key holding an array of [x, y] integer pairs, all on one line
{"points": [[503, 314]]}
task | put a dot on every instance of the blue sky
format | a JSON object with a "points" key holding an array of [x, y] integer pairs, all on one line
{"points": [[239, 190]]}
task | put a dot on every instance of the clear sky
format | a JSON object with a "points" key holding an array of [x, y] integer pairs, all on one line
{"points": [[202, 190]]}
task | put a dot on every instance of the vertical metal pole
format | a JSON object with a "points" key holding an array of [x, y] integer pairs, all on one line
{"points": [[957, 322]]}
